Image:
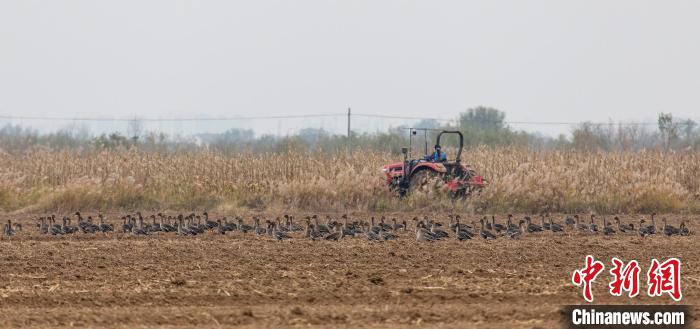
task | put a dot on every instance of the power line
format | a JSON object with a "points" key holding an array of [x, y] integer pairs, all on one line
{"points": [[300, 116]]}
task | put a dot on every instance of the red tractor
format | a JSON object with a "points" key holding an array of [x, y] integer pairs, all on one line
{"points": [[454, 176]]}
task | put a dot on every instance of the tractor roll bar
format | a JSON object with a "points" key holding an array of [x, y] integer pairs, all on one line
{"points": [[461, 142]]}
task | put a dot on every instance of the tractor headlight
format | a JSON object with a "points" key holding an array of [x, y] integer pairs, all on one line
{"points": [[385, 170]]}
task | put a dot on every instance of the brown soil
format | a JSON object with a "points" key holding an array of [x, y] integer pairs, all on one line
{"points": [[215, 281]]}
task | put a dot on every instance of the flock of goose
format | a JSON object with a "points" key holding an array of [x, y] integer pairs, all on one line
{"points": [[285, 227]]}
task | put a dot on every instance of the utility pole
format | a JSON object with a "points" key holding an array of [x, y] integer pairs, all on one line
{"points": [[349, 145]]}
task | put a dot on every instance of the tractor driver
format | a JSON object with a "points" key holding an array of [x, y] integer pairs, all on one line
{"points": [[437, 156]]}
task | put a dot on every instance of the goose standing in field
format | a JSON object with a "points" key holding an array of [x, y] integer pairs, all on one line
{"points": [[104, 228], [279, 235], [515, 233], [532, 228], [644, 231], [622, 227], [154, 227], [485, 222], [509, 223], [53, 228], [389, 235], [258, 229], [210, 224], [684, 229], [570, 221], [496, 226], [579, 225], [67, 229], [9, 231], [311, 232], [138, 231], [181, 229], [438, 233], [243, 227], [670, 230], [462, 235], [293, 226], [484, 233], [607, 227], [336, 235], [543, 223], [397, 226], [126, 224], [322, 228], [554, 227], [652, 227], [593, 226], [422, 234]]}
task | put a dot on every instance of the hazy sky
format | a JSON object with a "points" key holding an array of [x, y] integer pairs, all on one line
{"points": [[536, 60]]}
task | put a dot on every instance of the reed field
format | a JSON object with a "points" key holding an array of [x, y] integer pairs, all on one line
{"points": [[520, 180]]}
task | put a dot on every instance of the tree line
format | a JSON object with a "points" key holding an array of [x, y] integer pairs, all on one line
{"points": [[481, 126]]}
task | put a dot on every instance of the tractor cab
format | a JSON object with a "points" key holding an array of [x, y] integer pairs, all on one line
{"points": [[451, 173]]}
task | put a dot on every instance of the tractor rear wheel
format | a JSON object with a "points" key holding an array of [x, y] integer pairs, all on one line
{"points": [[423, 180]]}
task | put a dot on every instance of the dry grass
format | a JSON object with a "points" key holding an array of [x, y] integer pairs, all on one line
{"points": [[521, 180]]}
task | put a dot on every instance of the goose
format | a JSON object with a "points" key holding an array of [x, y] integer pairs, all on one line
{"points": [[389, 236], [8, 229], [438, 233], [18, 227], [581, 226], [228, 227], [154, 227], [384, 226], [462, 226], [336, 235], [126, 226], [293, 226], [423, 235], [644, 231], [279, 235], [684, 229], [260, 230], [210, 224], [166, 227], [374, 228], [220, 228], [462, 235], [138, 230], [371, 235], [243, 227], [396, 226], [544, 224], [623, 227], [321, 227], [181, 229], [569, 221], [670, 230], [652, 227], [43, 227], [55, 229], [515, 233], [607, 229], [486, 234], [489, 225], [496, 226], [104, 228], [67, 229], [509, 223], [554, 227], [311, 232], [593, 227], [532, 228]]}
